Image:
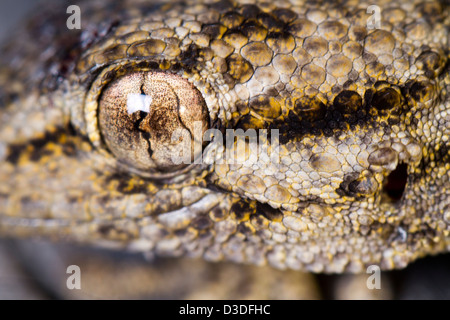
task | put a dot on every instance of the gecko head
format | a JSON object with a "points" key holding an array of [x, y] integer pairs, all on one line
{"points": [[329, 146]]}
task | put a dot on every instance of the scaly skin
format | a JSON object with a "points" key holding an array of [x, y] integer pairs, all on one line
{"points": [[351, 104]]}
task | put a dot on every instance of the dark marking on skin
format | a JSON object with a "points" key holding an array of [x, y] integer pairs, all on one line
{"points": [[332, 122], [124, 187], [223, 6], [262, 106], [213, 187], [249, 11], [250, 27], [37, 154], [123, 179], [205, 236], [359, 34], [117, 176], [241, 70], [69, 149], [369, 58], [218, 213], [213, 30], [14, 152], [25, 200], [180, 233], [113, 231], [441, 158], [363, 186], [241, 209], [244, 229], [426, 233], [368, 95], [419, 90], [344, 188], [231, 32], [278, 35], [385, 99], [189, 57], [285, 15], [347, 111], [310, 109], [443, 154], [348, 102], [271, 92], [429, 61], [229, 81], [232, 19], [106, 229], [336, 89], [432, 11], [383, 156], [270, 22], [36, 146], [201, 223], [268, 212], [7, 97]]}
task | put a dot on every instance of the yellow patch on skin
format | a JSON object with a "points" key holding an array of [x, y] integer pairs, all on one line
{"points": [[165, 65], [256, 34], [245, 216]]}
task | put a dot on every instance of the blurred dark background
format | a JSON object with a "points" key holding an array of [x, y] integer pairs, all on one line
{"points": [[11, 13]]}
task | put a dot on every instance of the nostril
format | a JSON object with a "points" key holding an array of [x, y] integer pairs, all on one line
{"points": [[396, 182]]}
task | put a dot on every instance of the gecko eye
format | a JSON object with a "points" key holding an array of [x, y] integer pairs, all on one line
{"points": [[153, 120]]}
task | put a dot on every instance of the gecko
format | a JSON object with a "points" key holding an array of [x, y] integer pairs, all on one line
{"points": [[361, 117]]}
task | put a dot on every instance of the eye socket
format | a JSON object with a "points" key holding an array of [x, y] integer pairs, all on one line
{"points": [[153, 121]]}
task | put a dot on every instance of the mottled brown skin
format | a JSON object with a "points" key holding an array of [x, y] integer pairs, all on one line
{"points": [[351, 105]]}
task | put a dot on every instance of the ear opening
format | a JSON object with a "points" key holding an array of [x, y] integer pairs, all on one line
{"points": [[395, 183]]}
